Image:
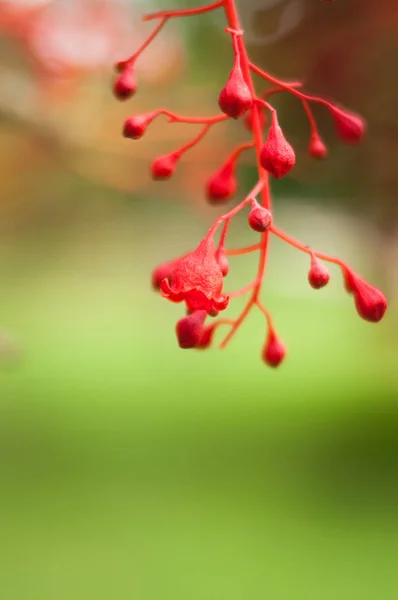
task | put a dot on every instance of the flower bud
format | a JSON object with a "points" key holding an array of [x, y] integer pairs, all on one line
{"points": [[125, 84], [274, 350], [259, 217], [221, 258], [206, 338], [163, 167], [318, 275], [135, 127], [316, 147], [350, 127], [277, 155], [235, 98], [222, 185], [370, 302], [189, 330]]}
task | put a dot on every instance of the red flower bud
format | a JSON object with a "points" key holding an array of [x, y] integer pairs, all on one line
{"points": [[189, 330], [277, 156], [316, 148], [235, 98], [206, 338], [135, 127], [274, 350], [350, 127], [221, 258], [259, 217], [370, 302], [318, 275], [125, 84], [163, 167], [222, 185]]}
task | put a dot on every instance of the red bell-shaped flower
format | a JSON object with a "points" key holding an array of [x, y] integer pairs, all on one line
{"points": [[197, 279]]}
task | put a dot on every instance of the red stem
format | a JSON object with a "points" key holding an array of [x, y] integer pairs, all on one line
{"points": [[228, 216], [190, 12], [234, 23], [194, 141], [287, 87], [240, 251], [174, 118], [299, 246], [310, 117]]}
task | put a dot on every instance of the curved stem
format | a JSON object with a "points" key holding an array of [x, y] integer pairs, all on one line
{"points": [[174, 118], [227, 216], [246, 250], [243, 290], [190, 12], [194, 141], [265, 312], [129, 61], [223, 236], [300, 246], [238, 150], [287, 87], [310, 116]]}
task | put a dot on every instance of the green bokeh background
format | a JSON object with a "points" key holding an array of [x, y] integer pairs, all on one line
{"points": [[130, 468]]}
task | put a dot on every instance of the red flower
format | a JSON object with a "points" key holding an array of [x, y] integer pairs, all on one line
{"points": [[197, 279]]}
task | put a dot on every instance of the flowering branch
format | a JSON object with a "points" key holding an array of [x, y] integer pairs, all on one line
{"points": [[197, 278]]}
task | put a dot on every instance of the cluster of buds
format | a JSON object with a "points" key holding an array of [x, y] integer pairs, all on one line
{"points": [[197, 278]]}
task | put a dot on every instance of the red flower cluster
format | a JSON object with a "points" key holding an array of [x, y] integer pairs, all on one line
{"points": [[197, 278]]}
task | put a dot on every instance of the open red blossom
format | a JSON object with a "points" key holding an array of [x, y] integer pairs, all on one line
{"points": [[189, 330], [370, 302], [197, 279], [222, 185], [318, 275], [235, 98], [274, 350], [277, 155], [350, 127]]}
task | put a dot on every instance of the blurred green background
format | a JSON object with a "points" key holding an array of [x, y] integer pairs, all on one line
{"points": [[129, 468]]}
